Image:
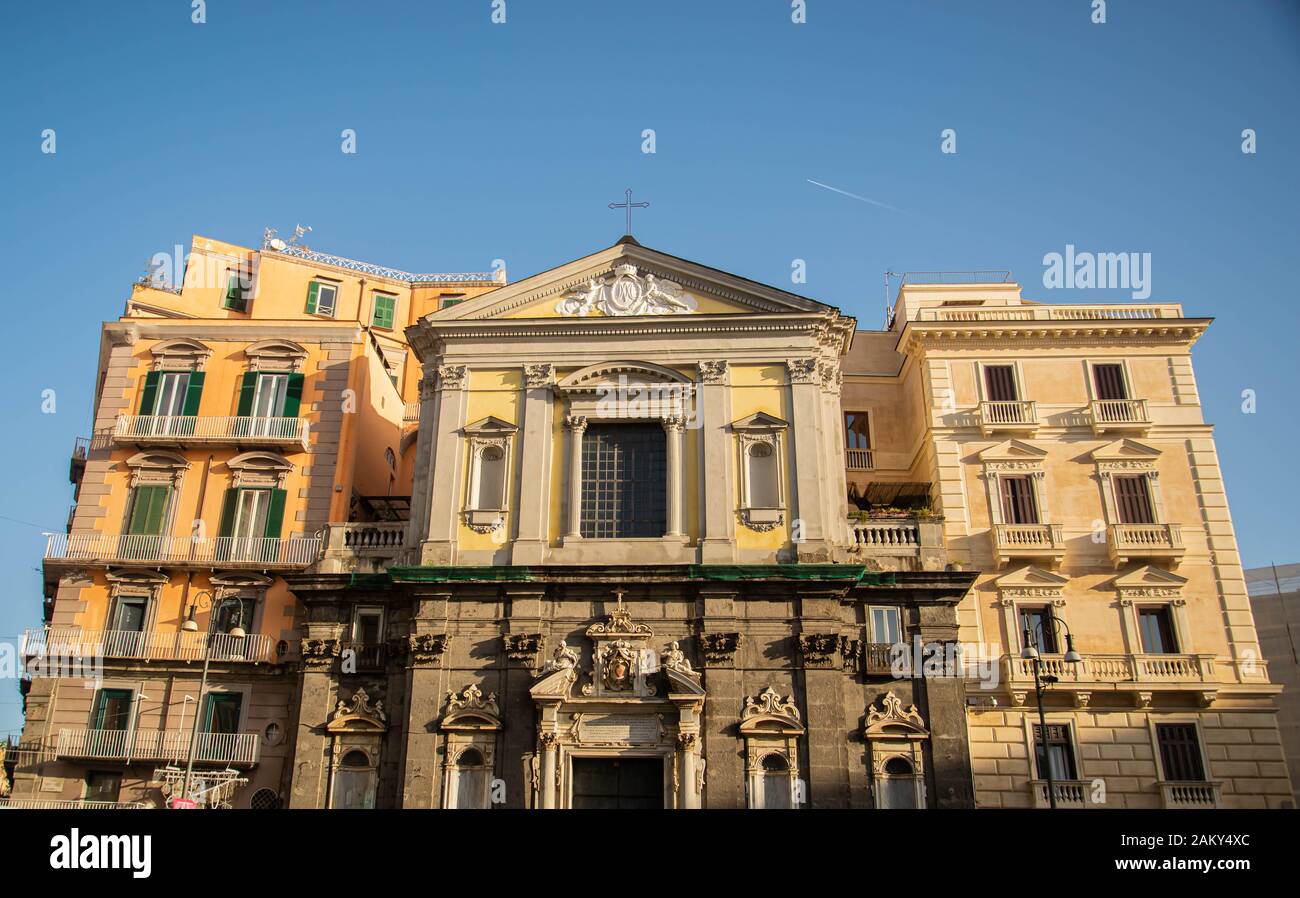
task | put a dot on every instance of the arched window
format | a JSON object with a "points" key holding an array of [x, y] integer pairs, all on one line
{"points": [[898, 785], [354, 782], [775, 783], [470, 780], [764, 488], [491, 478]]}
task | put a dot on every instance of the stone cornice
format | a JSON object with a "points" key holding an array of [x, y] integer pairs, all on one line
{"points": [[917, 335]]}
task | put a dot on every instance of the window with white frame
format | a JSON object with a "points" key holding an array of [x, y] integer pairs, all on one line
{"points": [[468, 780], [762, 494], [486, 496], [471, 724], [886, 625], [771, 727]]}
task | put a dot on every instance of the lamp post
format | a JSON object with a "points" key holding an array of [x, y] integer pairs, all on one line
{"points": [[190, 626], [1041, 683]]}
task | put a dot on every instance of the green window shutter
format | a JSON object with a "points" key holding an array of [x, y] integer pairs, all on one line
{"points": [[235, 298], [275, 514], [384, 308], [149, 395], [148, 508], [228, 506], [192, 394], [246, 388], [293, 396], [313, 290]]}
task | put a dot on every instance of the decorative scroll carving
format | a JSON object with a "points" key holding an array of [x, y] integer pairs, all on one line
{"points": [[427, 646], [831, 377], [318, 653], [539, 375], [769, 704], [721, 648], [522, 646], [359, 715], [819, 648], [471, 699], [892, 714], [802, 371], [713, 371], [627, 292], [452, 377]]}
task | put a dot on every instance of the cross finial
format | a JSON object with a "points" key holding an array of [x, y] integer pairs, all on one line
{"points": [[619, 593], [629, 206]]}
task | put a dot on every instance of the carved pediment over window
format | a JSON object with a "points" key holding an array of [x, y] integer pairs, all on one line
{"points": [[769, 714], [1031, 583], [489, 428], [157, 468], [892, 720], [178, 355], [619, 623], [136, 583], [627, 292], [1149, 582], [1014, 456], [359, 716], [264, 469], [469, 710], [275, 355], [1126, 457]]}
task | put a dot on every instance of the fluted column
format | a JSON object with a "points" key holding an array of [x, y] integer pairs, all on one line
{"points": [[577, 425], [673, 427]]}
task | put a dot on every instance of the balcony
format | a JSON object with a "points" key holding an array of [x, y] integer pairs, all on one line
{"points": [[877, 658], [1089, 312], [1119, 673], [1195, 795], [182, 551], [1039, 542], [411, 413], [70, 804], [1018, 416], [366, 657], [125, 746], [1160, 542], [70, 642], [77, 465], [1120, 416], [188, 430], [899, 544], [362, 547], [1069, 794], [859, 460]]}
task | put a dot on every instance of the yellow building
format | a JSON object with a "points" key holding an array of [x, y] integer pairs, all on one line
{"points": [[1065, 451]]}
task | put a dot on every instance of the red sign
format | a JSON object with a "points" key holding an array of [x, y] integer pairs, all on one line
{"points": [[187, 804]]}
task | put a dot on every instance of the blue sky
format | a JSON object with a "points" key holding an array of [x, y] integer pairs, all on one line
{"points": [[478, 141]]}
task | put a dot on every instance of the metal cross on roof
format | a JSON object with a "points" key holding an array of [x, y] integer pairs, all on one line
{"points": [[629, 206]]}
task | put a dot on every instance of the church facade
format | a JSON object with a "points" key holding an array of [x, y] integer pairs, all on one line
{"points": [[635, 532]]}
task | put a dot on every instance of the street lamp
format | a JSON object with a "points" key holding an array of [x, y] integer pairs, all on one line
{"points": [[191, 626], [1042, 681]]}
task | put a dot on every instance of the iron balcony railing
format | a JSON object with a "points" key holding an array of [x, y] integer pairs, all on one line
{"points": [[156, 745], [224, 551], [411, 413], [64, 804], [195, 429], [71, 642]]}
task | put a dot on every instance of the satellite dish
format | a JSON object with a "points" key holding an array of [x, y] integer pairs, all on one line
{"points": [[279, 245]]}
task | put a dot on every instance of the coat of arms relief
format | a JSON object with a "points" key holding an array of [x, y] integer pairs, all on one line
{"points": [[627, 292]]}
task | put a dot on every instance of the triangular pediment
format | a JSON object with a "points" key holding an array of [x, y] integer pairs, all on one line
{"points": [[1147, 577], [760, 421], [1031, 577], [1125, 449], [1013, 450], [489, 426], [629, 280]]}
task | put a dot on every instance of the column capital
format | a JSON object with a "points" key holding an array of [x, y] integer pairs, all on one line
{"points": [[673, 423], [451, 377], [540, 375], [802, 371], [576, 423], [713, 371]]}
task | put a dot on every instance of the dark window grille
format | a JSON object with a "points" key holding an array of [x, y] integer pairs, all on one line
{"points": [[1000, 383], [1109, 380], [624, 485], [1180, 752], [1018, 505], [1059, 751]]}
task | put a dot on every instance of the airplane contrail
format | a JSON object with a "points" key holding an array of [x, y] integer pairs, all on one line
{"points": [[854, 195]]}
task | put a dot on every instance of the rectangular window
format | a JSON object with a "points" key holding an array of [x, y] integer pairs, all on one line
{"points": [[1053, 750], [1157, 628], [238, 291], [231, 613], [1037, 628], [856, 433], [112, 710], [1000, 383], [250, 514], [886, 626], [223, 712], [173, 387], [269, 395], [1019, 506], [103, 786], [1133, 499], [1180, 752], [148, 510], [624, 481], [385, 305], [321, 298], [368, 626], [128, 614], [449, 301], [1108, 379]]}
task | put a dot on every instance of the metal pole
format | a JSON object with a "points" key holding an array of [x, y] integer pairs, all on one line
{"points": [[1042, 737], [198, 703]]}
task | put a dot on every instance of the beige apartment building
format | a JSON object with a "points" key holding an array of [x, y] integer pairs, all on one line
{"points": [[636, 532], [1065, 450]]}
